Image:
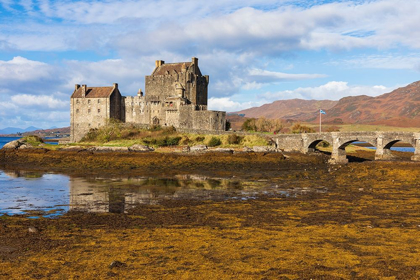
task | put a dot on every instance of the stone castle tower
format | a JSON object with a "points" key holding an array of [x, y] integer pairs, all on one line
{"points": [[176, 95]]}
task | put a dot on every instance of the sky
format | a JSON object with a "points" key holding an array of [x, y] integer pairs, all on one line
{"points": [[255, 51]]}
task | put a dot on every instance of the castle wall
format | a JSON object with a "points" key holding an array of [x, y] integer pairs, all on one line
{"points": [[136, 110], [87, 113], [209, 120]]}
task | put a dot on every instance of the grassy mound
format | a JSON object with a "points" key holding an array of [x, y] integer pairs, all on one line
{"points": [[119, 134]]}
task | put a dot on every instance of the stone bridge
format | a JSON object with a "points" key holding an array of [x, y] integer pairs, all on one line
{"points": [[383, 141]]}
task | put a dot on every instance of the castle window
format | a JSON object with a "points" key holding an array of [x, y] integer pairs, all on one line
{"points": [[99, 101], [77, 110], [99, 110], [88, 101], [88, 111]]}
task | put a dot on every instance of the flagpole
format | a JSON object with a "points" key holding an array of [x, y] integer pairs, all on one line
{"points": [[320, 116]]}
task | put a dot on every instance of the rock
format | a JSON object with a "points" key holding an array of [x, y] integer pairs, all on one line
{"points": [[13, 144], [25, 146], [73, 148], [32, 230], [247, 149], [198, 148], [223, 150], [117, 264], [140, 148], [261, 149], [108, 149], [265, 149]]}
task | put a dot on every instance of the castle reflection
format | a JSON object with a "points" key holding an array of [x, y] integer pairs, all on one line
{"points": [[121, 195]]}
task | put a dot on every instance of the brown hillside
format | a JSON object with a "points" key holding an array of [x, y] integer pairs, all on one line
{"points": [[400, 107], [297, 109]]}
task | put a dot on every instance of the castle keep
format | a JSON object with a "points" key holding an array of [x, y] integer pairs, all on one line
{"points": [[175, 95]]}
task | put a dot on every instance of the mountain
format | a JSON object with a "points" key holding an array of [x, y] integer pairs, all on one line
{"points": [[400, 107], [12, 130], [296, 109]]}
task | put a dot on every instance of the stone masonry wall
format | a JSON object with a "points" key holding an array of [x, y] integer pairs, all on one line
{"points": [[87, 113]]}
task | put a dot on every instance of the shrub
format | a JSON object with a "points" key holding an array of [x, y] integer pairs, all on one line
{"points": [[34, 140], [172, 141], [199, 139], [214, 141], [155, 127], [249, 125], [298, 128], [234, 139], [185, 140], [162, 141]]}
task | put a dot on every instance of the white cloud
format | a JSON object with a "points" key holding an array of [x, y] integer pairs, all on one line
{"points": [[382, 61], [270, 76], [332, 90], [39, 101], [228, 105], [22, 69], [257, 26]]}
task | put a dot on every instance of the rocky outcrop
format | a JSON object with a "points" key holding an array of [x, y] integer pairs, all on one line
{"points": [[17, 144], [198, 148], [107, 149], [264, 149], [140, 148], [13, 145]]}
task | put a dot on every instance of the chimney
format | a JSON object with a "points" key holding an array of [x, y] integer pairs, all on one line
{"points": [[84, 90], [195, 63], [76, 87], [115, 86], [140, 93], [159, 63]]}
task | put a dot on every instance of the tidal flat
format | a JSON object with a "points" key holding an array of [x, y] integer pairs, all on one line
{"points": [[364, 224]]}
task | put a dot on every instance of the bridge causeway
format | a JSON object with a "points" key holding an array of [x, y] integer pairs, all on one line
{"points": [[383, 141]]}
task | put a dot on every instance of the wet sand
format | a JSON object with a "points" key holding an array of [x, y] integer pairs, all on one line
{"points": [[365, 225]]}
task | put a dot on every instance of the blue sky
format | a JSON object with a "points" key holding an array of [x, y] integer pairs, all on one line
{"points": [[255, 51]]}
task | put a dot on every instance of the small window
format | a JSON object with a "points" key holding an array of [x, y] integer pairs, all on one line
{"points": [[88, 101], [77, 110], [88, 111], [99, 110], [99, 101]]}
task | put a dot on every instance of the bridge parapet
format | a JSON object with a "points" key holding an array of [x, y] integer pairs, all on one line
{"points": [[383, 141]]}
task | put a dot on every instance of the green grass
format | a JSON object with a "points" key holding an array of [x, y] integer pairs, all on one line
{"points": [[118, 135]]}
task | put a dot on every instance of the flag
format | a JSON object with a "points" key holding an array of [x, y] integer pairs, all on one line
{"points": [[322, 112]]}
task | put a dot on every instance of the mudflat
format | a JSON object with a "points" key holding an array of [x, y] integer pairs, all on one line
{"points": [[356, 221]]}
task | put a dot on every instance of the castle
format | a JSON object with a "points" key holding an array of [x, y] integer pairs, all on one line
{"points": [[176, 95]]}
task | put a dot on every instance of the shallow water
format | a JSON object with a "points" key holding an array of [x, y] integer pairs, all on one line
{"points": [[49, 195]]}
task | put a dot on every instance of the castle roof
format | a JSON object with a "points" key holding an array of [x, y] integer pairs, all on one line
{"points": [[93, 92], [170, 67]]}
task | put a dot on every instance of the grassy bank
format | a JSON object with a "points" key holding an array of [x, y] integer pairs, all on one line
{"points": [[117, 134]]}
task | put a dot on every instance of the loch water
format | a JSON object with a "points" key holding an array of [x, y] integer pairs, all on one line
{"points": [[43, 194]]}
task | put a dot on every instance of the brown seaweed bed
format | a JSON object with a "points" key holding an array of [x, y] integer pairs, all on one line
{"points": [[366, 226]]}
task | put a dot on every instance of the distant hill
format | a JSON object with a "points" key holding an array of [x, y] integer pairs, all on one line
{"points": [[296, 109], [41, 132], [400, 107], [12, 130]]}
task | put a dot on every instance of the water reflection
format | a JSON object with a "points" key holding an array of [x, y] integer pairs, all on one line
{"points": [[53, 194]]}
